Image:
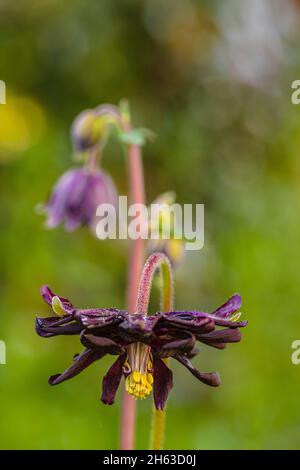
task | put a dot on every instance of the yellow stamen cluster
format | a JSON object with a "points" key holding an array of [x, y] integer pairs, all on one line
{"points": [[139, 362], [139, 385]]}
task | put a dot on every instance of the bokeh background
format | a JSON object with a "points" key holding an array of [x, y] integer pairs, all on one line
{"points": [[212, 79]]}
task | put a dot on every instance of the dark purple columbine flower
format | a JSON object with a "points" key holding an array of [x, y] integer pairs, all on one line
{"points": [[141, 343], [77, 195]]}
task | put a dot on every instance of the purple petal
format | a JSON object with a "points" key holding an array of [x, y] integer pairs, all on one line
{"points": [[77, 195], [70, 183], [196, 321], [72, 222], [229, 307], [48, 295], [80, 208], [178, 346], [104, 190], [229, 323], [81, 362], [186, 316], [99, 317], [53, 326], [101, 344], [219, 338], [188, 320], [97, 188], [162, 382], [209, 378], [111, 381]]}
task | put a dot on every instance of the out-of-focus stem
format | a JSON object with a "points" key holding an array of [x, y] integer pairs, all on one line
{"points": [[158, 425], [136, 261], [154, 261]]}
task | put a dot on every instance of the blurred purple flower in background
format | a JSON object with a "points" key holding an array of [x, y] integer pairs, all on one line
{"points": [[79, 191], [77, 195]]}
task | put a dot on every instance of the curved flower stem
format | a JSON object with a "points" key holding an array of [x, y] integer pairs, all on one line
{"points": [[154, 261], [136, 261]]}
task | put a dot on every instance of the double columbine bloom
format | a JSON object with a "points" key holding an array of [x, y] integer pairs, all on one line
{"points": [[141, 343]]}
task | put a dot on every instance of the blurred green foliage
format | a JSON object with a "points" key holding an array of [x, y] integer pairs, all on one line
{"points": [[227, 136]]}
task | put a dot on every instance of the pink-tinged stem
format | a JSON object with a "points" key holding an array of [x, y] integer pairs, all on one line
{"points": [[136, 261], [137, 253], [155, 261]]}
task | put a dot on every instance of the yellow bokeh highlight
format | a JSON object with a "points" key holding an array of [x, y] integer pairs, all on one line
{"points": [[22, 123]]}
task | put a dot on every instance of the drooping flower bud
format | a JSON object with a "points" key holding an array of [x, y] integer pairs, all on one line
{"points": [[89, 129]]}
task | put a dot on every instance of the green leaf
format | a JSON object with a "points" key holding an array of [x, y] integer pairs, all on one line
{"points": [[136, 136]]}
